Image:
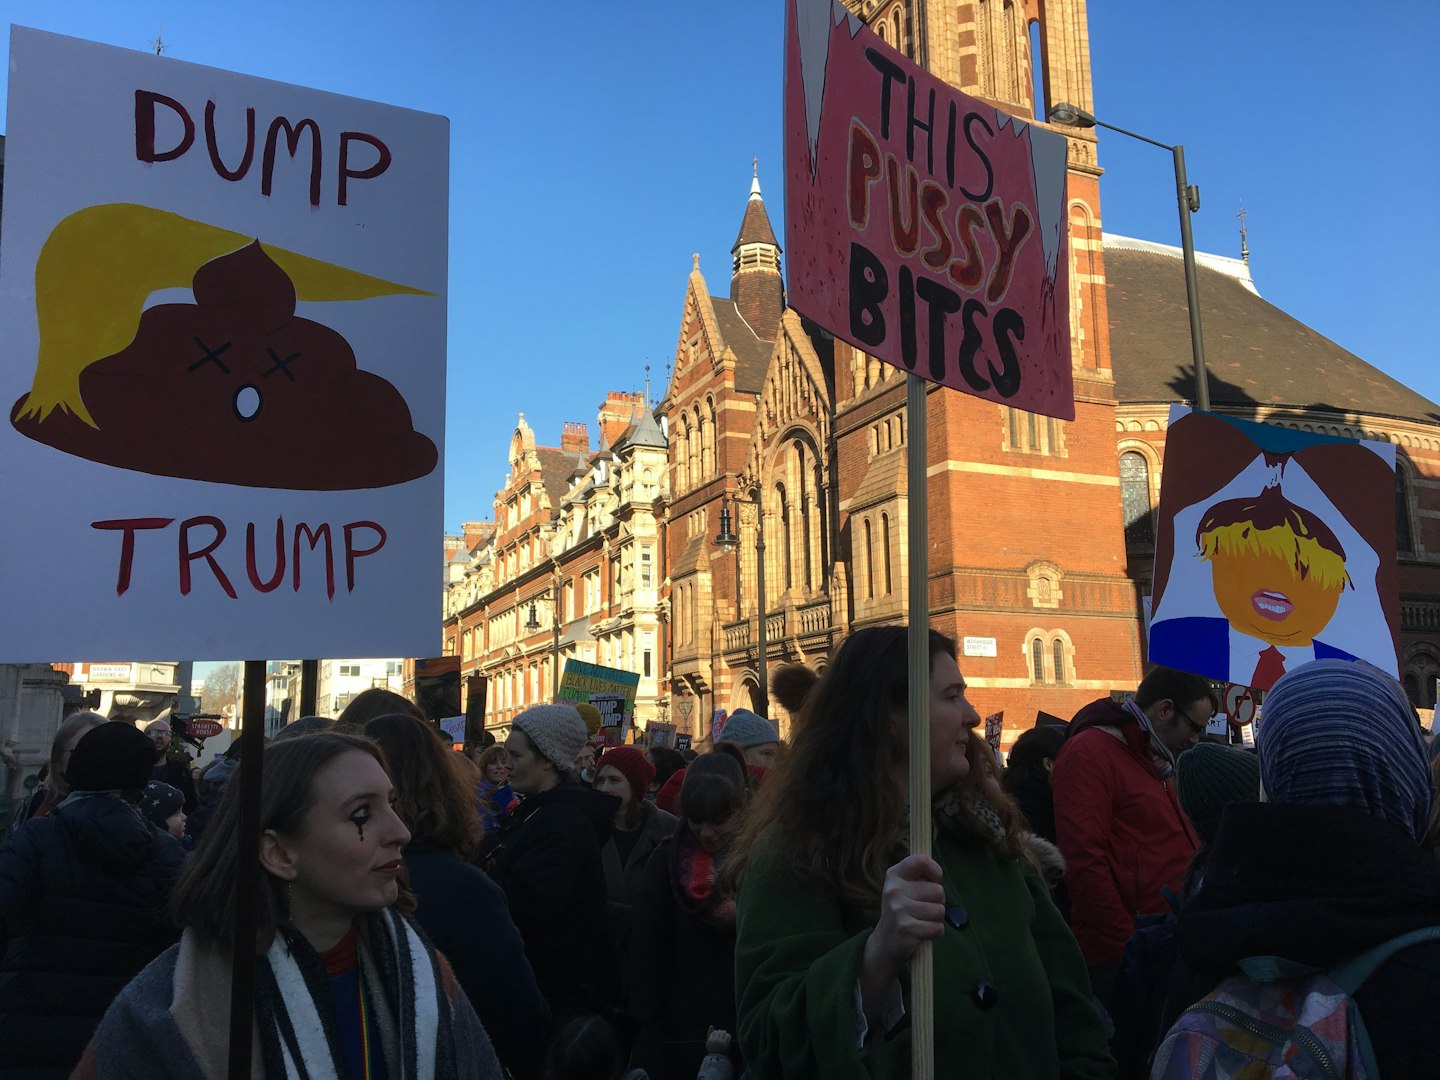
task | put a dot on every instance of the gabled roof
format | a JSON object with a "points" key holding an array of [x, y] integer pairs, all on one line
{"points": [[1254, 352], [752, 352]]}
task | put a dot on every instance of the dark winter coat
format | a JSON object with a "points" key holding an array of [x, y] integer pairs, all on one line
{"points": [[1318, 885], [546, 856], [1120, 827], [682, 973], [463, 913], [82, 911]]}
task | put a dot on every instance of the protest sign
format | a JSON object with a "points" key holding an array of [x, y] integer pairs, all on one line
{"points": [[612, 718], [682, 742], [1274, 547], [717, 725], [923, 226], [660, 733], [454, 726], [580, 681], [994, 728], [223, 363]]}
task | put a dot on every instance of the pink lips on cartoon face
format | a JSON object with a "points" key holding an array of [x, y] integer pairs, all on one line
{"points": [[1274, 606]]}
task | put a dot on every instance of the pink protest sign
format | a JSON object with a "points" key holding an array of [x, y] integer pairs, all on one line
{"points": [[923, 226]]}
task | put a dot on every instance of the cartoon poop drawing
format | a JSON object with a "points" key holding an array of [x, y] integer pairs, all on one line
{"points": [[232, 389], [1278, 570]]}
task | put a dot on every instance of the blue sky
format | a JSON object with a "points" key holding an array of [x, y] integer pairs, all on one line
{"points": [[592, 155]]}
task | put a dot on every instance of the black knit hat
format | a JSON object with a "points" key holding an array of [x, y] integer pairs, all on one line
{"points": [[115, 756], [1209, 778], [160, 802]]}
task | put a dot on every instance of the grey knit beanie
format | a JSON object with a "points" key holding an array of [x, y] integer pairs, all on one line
{"points": [[557, 731], [746, 729]]}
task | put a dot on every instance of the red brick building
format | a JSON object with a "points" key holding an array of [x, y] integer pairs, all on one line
{"points": [[1040, 540]]}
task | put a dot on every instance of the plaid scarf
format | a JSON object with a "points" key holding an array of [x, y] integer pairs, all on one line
{"points": [[693, 874]]}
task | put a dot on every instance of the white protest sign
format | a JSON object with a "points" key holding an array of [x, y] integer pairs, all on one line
{"points": [[223, 362]]}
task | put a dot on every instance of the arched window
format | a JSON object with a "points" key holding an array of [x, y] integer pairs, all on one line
{"points": [[1037, 660], [822, 522], [885, 549], [807, 496], [1037, 71], [692, 448], [1404, 534], [1135, 498], [714, 437], [1412, 688], [1058, 648], [786, 539], [869, 564]]}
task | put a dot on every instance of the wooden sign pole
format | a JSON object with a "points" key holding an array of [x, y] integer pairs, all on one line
{"points": [[247, 877], [922, 1000]]}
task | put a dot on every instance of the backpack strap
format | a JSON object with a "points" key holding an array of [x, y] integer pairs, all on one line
{"points": [[1351, 975]]}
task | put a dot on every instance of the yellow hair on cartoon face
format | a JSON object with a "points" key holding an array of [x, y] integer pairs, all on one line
{"points": [[1304, 553]]}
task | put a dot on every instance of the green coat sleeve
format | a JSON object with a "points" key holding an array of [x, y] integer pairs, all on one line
{"points": [[1080, 1040], [797, 957]]}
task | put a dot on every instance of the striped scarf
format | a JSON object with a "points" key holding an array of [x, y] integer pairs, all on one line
{"points": [[298, 1036]]}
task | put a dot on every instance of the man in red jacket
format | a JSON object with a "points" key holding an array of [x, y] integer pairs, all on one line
{"points": [[1117, 816]]}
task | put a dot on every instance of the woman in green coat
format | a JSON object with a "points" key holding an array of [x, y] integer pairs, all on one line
{"points": [[831, 908]]}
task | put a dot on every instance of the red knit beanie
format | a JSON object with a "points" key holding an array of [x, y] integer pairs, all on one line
{"points": [[631, 764], [668, 797]]}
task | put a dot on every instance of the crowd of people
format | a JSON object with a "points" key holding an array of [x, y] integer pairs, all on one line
{"points": [[538, 909]]}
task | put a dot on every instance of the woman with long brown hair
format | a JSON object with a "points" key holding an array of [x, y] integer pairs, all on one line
{"points": [[460, 909], [831, 907], [344, 983]]}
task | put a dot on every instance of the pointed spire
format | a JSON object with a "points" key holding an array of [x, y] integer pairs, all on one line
{"points": [[755, 284], [1244, 245], [755, 226]]}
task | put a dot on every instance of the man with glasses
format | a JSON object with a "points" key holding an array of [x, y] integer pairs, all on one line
{"points": [[1118, 818], [174, 771]]}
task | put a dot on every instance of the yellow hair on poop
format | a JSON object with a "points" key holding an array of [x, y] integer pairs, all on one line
{"points": [[99, 265]]}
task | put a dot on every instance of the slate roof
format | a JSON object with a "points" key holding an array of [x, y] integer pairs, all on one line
{"points": [[643, 432], [755, 225], [1254, 352], [752, 352], [556, 468]]}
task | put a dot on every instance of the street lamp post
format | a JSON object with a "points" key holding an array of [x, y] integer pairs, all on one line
{"points": [[1188, 196], [728, 541], [532, 625]]}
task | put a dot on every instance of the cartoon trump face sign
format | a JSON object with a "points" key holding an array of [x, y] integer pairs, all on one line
{"points": [[223, 368], [1274, 548]]}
